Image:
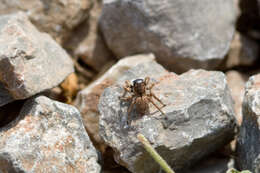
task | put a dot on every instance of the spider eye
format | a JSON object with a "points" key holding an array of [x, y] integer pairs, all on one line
{"points": [[138, 81]]}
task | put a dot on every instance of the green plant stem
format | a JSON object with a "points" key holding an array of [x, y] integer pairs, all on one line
{"points": [[154, 154]]}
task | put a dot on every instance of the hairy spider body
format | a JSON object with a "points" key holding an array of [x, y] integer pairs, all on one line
{"points": [[140, 96]]}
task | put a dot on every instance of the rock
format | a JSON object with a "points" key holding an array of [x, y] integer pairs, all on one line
{"points": [[87, 43], [87, 99], [182, 34], [48, 136], [236, 82], [30, 61], [248, 145], [5, 97], [56, 17], [212, 164], [199, 118], [243, 52]]}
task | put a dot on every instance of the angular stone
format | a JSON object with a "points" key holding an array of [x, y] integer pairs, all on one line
{"points": [[30, 61], [182, 34], [48, 136], [248, 144], [55, 17], [199, 118], [87, 99]]}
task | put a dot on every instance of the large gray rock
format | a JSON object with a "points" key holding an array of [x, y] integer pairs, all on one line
{"points": [[182, 34], [47, 136], [56, 17], [248, 144], [30, 61], [199, 118], [87, 99]]}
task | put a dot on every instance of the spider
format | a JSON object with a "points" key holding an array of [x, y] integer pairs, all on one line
{"points": [[141, 96]]}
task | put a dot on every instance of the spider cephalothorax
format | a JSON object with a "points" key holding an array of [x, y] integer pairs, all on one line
{"points": [[140, 96]]}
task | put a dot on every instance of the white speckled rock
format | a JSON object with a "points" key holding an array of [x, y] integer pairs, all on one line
{"points": [[30, 61], [199, 118], [48, 136], [182, 34]]}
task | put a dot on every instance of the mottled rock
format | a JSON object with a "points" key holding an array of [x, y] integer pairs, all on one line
{"points": [[87, 43], [87, 99], [199, 118], [48, 136], [182, 34], [243, 52], [236, 82], [30, 61], [56, 17], [248, 144]]}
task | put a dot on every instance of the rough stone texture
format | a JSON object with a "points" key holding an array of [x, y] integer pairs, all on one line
{"points": [[5, 97], [248, 144], [182, 34], [199, 118], [56, 17], [243, 52], [236, 82], [30, 61], [87, 99], [48, 136], [87, 43]]}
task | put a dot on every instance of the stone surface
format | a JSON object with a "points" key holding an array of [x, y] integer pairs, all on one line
{"points": [[30, 61], [87, 43], [248, 144], [87, 99], [56, 17], [212, 165], [199, 118], [243, 52], [236, 82], [48, 136], [182, 34]]}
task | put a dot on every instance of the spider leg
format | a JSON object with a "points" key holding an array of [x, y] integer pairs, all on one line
{"points": [[129, 110], [127, 88], [146, 81], [152, 94], [155, 105]]}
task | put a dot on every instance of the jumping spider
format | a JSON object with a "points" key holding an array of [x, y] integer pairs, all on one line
{"points": [[141, 96]]}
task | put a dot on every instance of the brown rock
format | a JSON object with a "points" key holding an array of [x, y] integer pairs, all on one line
{"points": [[236, 82]]}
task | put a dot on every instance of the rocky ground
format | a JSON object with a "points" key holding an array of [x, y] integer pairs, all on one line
{"points": [[64, 65]]}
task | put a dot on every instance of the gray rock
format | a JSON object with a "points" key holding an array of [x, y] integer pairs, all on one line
{"points": [[48, 136], [30, 61], [5, 97], [199, 118], [182, 34], [248, 144], [87, 99], [56, 17]]}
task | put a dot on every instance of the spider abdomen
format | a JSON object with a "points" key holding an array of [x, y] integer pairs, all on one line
{"points": [[142, 106]]}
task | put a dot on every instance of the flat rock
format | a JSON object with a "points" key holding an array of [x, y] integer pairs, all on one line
{"points": [[87, 99], [182, 34], [248, 144], [30, 61], [56, 17], [199, 118], [48, 136]]}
